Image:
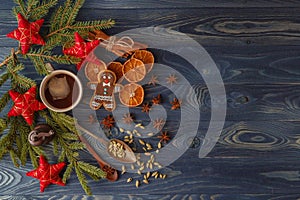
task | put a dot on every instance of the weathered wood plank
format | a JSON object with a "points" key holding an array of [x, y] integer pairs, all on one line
{"points": [[217, 196], [266, 176], [209, 27], [177, 4]]}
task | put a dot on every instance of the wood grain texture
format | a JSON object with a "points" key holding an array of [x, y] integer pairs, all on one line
{"points": [[255, 45]]}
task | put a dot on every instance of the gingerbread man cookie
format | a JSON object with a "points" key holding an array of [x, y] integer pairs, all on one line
{"points": [[104, 92]]}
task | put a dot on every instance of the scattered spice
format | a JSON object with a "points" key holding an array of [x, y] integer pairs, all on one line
{"points": [[171, 79], [108, 122], [153, 80], [157, 100], [175, 104], [158, 124], [164, 137], [128, 118], [146, 107]]}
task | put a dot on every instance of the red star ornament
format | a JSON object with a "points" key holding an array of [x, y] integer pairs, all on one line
{"points": [[47, 174], [81, 48], [25, 104], [27, 33]]}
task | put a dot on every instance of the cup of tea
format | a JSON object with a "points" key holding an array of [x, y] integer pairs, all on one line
{"points": [[61, 90]]}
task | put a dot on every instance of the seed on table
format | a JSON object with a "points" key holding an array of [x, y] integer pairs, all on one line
{"points": [[132, 166], [141, 142], [146, 181], [138, 134], [121, 130], [130, 141], [164, 176], [137, 183], [147, 154], [129, 180], [150, 134], [139, 172], [150, 166], [123, 169], [148, 175], [156, 176], [154, 173], [142, 168], [144, 149], [137, 125], [159, 145], [129, 132], [157, 151]]}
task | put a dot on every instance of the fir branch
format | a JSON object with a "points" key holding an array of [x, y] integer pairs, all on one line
{"points": [[14, 157], [76, 146], [4, 100], [23, 81], [21, 8], [39, 65], [64, 15], [95, 171], [30, 5], [42, 9], [82, 180], [3, 124], [4, 78], [7, 140], [33, 157], [93, 25], [74, 11], [61, 59], [68, 172]]}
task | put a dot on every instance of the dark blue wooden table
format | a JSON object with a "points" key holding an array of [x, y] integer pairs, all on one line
{"points": [[255, 45]]}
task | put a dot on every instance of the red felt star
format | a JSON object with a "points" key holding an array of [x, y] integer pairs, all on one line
{"points": [[81, 48], [27, 33], [47, 173], [25, 104]]}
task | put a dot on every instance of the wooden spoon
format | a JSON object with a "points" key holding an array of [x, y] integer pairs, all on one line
{"points": [[129, 154], [111, 173]]}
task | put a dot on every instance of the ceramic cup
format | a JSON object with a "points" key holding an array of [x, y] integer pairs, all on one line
{"points": [[67, 102]]}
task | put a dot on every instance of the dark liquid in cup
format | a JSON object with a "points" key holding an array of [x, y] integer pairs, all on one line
{"points": [[72, 96]]}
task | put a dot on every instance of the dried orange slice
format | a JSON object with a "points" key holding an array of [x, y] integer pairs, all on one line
{"points": [[131, 95], [92, 70], [134, 70], [116, 67], [146, 57]]}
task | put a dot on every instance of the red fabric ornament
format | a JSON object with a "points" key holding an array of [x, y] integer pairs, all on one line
{"points": [[47, 173], [25, 104], [81, 48], [27, 33]]}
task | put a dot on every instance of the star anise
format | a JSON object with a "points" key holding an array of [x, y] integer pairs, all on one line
{"points": [[175, 104], [108, 122], [158, 124], [153, 80], [146, 107], [157, 100], [171, 79], [164, 137], [127, 118]]}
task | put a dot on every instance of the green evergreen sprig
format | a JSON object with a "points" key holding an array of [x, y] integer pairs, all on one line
{"points": [[14, 130]]}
